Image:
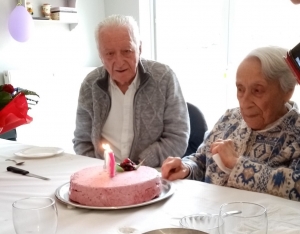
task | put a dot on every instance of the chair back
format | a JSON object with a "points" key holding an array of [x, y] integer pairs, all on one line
{"points": [[198, 127]]}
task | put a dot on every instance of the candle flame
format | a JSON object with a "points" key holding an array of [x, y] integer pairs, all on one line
{"points": [[106, 147]]}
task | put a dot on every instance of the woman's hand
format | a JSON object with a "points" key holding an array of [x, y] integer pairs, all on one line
{"points": [[225, 148], [173, 169]]}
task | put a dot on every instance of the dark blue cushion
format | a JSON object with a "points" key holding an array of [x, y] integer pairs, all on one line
{"points": [[10, 135], [198, 127]]}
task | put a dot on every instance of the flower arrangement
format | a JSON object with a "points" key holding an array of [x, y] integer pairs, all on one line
{"points": [[14, 107]]}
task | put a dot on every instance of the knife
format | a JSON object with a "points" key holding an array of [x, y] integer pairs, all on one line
{"points": [[23, 172]]}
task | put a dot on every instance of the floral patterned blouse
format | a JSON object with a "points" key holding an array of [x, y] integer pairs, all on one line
{"points": [[269, 159]]}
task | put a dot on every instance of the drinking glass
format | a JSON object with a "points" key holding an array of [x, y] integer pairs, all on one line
{"points": [[204, 222], [250, 218], [35, 215]]}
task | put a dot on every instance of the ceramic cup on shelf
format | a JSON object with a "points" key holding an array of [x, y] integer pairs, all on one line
{"points": [[46, 10], [29, 8]]}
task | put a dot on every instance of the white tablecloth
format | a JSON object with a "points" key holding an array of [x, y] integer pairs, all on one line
{"points": [[190, 197]]}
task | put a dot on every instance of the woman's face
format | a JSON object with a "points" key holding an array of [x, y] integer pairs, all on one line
{"points": [[261, 101]]}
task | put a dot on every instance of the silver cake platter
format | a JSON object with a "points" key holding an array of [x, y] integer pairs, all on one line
{"points": [[175, 231], [62, 194]]}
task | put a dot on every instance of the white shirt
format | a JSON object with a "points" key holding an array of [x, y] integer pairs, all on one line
{"points": [[118, 128]]}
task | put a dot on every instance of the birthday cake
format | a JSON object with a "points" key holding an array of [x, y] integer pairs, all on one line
{"points": [[94, 187]]}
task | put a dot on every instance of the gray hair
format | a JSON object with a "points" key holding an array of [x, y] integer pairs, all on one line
{"points": [[120, 21], [274, 66]]}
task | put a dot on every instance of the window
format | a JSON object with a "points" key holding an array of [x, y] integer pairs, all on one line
{"points": [[204, 40]]}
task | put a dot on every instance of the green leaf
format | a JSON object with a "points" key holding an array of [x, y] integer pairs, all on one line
{"points": [[119, 168], [28, 92], [5, 98]]}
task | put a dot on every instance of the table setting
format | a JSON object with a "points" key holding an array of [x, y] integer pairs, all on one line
{"points": [[182, 198]]}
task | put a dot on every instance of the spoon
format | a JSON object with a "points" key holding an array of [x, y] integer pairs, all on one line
{"points": [[233, 212], [17, 163]]}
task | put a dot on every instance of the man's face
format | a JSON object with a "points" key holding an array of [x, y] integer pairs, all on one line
{"points": [[261, 101], [119, 54]]}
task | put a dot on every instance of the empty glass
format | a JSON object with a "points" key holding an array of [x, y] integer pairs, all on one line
{"points": [[251, 218], [35, 215]]}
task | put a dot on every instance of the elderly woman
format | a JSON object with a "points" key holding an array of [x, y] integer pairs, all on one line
{"points": [[254, 147]]}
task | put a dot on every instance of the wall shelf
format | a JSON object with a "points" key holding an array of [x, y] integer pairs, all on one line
{"points": [[67, 3]]}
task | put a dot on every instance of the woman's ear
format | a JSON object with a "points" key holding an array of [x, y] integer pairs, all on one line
{"points": [[289, 95]]}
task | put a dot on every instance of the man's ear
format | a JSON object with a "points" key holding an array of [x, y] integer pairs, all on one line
{"points": [[99, 54], [140, 47]]}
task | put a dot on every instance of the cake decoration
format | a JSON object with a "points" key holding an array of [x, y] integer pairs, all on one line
{"points": [[109, 160], [119, 168], [128, 165], [112, 164]]}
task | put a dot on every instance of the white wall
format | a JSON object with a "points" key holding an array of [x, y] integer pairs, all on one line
{"points": [[53, 63], [54, 117], [52, 45], [140, 11]]}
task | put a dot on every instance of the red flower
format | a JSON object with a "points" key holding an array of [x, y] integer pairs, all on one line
{"points": [[8, 88], [14, 107], [14, 114]]}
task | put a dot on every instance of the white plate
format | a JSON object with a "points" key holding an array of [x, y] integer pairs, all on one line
{"points": [[62, 194], [39, 152]]}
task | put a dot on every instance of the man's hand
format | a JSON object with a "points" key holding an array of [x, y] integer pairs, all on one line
{"points": [[173, 169]]}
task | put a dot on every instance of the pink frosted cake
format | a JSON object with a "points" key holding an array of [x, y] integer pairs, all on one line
{"points": [[94, 187]]}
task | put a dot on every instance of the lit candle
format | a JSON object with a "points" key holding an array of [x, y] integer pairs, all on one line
{"points": [[112, 164], [105, 147], [109, 160]]}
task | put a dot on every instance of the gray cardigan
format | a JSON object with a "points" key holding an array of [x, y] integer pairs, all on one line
{"points": [[161, 123]]}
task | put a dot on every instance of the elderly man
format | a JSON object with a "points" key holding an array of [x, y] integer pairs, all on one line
{"points": [[254, 147], [134, 105]]}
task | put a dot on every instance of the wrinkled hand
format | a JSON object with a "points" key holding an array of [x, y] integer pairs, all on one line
{"points": [[173, 169], [225, 148]]}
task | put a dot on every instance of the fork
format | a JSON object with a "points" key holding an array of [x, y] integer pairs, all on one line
{"points": [[17, 163]]}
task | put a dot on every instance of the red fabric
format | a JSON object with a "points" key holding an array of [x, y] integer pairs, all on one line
{"points": [[14, 114], [293, 67]]}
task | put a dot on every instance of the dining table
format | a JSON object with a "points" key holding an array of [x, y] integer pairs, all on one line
{"points": [[188, 197]]}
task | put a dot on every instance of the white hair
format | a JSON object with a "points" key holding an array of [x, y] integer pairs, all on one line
{"points": [[120, 21], [274, 66]]}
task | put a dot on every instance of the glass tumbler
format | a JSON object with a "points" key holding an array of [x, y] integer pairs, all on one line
{"points": [[35, 215], [204, 222], [243, 217]]}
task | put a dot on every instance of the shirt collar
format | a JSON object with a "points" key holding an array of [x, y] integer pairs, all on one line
{"points": [[135, 83]]}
